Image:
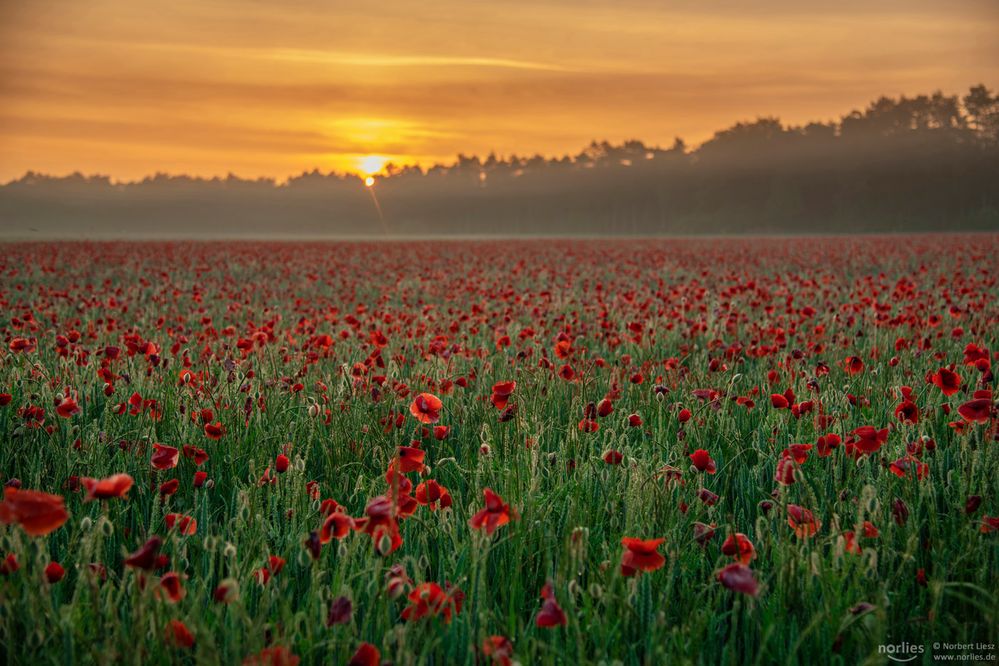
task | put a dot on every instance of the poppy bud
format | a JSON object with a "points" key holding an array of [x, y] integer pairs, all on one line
{"points": [[384, 545], [900, 511], [227, 591]]}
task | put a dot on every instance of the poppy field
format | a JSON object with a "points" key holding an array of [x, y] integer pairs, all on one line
{"points": [[742, 451]]}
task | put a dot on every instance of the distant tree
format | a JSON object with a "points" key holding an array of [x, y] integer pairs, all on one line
{"points": [[983, 111]]}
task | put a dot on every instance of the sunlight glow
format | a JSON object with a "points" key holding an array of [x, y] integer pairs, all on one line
{"points": [[369, 181], [372, 164]]}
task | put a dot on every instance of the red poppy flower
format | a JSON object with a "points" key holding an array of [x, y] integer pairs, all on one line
{"points": [[22, 345], [739, 578], [179, 635], [146, 557], [853, 365], [907, 412], [703, 533], [186, 525], [904, 465], [826, 443], [702, 461], [799, 452], [501, 393], [605, 408], [410, 459], [551, 614], [975, 355], [784, 474], [36, 512], [281, 463], [199, 456], [117, 485], [613, 457], [426, 408], [802, 521], [429, 599], [275, 655], [707, 497], [989, 524], [67, 408], [948, 381], [441, 432], [337, 525], [634, 420], [641, 555], [499, 649], [867, 439], [366, 655], [978, 410], [379, 522], [164, 457], [740, 547], [9, 565], [171, 584], [214, 430], [54, 572], [341, 610], [496, 514], [226, 592], [432, 494], [779, 401], [397, 581]]}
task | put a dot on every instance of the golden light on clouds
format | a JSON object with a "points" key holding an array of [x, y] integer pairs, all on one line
{"points": [[261, 89]]}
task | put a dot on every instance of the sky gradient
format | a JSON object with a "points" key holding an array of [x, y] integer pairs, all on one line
{"points": [[129, 88]]}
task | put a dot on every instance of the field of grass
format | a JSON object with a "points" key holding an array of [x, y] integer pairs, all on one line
{"points": [[309, 432]]}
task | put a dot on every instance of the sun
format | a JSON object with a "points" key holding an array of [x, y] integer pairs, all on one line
{"points": [[369, 165], [369, 181]]}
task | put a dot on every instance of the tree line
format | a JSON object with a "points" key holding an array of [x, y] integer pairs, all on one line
{"points": [[929, 162]]}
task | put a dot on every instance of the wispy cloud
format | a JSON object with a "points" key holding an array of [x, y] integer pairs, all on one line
{"points": [[344, 58], [382, 60]]}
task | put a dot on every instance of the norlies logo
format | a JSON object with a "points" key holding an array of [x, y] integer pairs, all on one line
{"points": [[902, 651]]}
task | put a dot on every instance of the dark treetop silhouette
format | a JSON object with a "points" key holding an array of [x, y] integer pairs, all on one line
{"points": [[908, 164]]}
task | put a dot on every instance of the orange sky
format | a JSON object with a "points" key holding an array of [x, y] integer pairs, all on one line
{"points": [[129, 87]]}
